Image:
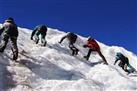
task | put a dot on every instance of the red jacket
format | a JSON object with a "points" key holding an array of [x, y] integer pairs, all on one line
{"points": [[92, 44]]}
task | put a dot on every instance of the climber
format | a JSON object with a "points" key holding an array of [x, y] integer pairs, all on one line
{"points": [[124, 63], [93, 46], [72, 39], [10, 31], [39, 30]]}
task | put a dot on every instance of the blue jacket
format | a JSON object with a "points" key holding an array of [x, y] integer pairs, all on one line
{"points": [[122, 58], [42, 29]]}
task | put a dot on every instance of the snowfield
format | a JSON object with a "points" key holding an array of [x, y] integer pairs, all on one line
{"points": [[53, 68]]}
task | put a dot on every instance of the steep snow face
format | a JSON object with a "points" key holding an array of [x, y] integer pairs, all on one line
{"points": [[53, 68]]}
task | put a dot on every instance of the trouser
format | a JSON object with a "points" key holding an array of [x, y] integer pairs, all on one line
{"points": [[13, 45], [121, 64], [74, 49], [43, 41], [88, 55], [100, 54]]}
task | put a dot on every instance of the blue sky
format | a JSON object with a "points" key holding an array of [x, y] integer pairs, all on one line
{"points": [[112, 22]]}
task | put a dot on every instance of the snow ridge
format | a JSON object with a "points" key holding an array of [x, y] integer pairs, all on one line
{"points": [[53, 68]]}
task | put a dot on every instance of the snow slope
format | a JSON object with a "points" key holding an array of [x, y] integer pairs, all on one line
{"points": [[52, 68]]}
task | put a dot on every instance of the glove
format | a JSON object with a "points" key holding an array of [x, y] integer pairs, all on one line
{"points": [[84, 46], [31, 38], [60, 42]]}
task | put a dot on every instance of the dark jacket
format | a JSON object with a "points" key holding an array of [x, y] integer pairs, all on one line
{"points": [[71, 37], [9, 29], [42, 29]]}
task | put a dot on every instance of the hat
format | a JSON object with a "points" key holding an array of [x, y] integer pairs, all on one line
{"points": [[89, 38], [119, 54], [10, 19]]}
